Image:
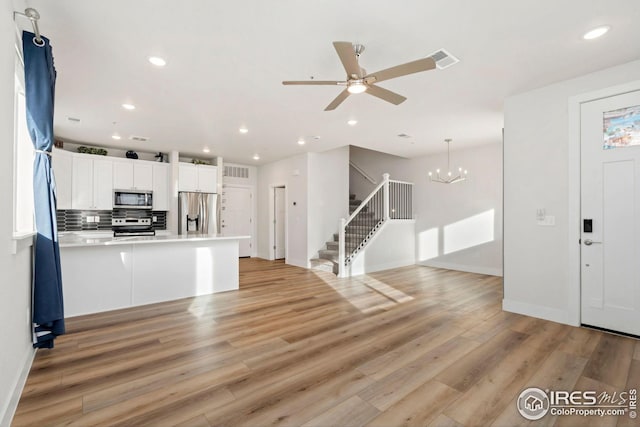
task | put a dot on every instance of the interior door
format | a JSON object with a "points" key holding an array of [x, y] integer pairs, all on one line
{"points": [[610, 198], [279, 247], [236, 216]]}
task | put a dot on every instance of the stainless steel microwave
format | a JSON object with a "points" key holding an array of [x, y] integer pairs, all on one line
{"points": [[132, 199]]}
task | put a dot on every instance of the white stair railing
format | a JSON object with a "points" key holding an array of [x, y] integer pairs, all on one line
{"points": [[391, 199], [363, 173]]}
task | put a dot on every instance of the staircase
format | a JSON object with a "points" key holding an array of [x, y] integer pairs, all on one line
{"points": [[328, 258], [390, 200]]}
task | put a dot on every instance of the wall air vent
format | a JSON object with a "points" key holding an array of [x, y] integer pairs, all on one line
{"points": [[138, 138], [236, 172], [443, 59]]}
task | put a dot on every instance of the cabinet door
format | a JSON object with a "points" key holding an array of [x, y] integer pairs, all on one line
{"points": [[142, 176], [103, 184], [82, 183], [207, 179], [122, 175], [62, 163], [161, 187], [187, 177]]}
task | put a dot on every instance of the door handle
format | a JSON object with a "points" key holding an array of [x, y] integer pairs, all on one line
{"points": [[590, 242]]}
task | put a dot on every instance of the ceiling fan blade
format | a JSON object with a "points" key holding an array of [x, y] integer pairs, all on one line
{"points": [[314, 82], [385, 94], [343, 95], [347, 55], [423, 64]]}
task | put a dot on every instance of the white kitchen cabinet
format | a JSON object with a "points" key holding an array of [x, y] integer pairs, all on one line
{"points": [[62, 163], [91, 183], [187, 177], [160, 187], [131, 175], [207, 179], [82, 183], [103, 184], [200, 178]]}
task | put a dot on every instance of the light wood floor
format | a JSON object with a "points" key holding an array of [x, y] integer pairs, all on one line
{"points": [[410, 346]]}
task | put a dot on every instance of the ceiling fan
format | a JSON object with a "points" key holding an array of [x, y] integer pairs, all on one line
{"points": [[359, 81]]}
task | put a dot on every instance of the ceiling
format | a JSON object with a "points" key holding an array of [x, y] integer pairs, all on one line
{"points": [[226, 61]]}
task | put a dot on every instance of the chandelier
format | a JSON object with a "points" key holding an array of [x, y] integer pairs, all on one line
{"points": [[449, 178]]}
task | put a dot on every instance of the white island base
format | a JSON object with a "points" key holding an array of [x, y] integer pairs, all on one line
{"points": [[107, 274]]}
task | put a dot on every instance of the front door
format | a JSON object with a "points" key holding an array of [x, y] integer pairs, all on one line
{"points": [[610, 209]]}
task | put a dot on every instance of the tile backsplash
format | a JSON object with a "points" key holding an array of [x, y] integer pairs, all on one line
{"points": [[80, 220]]}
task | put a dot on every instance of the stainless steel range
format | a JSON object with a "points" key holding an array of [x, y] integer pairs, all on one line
{"points": [[132, 227]]}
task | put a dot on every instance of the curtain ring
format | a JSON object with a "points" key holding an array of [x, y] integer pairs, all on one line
{"points": [[39, 43]]}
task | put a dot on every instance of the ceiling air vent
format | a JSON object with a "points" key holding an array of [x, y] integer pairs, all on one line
{"points": [[444, 59], [236, 172], [138, 138]]}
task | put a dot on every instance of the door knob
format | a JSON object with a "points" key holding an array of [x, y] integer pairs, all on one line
{"points": [[589, 242]]}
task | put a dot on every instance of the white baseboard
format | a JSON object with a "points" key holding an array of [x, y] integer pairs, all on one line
{"points": [[304, 263], [351, 271], [541, 312], [491, 271], [12, 405]]}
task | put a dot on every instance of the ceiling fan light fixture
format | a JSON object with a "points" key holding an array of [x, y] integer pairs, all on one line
{"points": [[356, 86]]}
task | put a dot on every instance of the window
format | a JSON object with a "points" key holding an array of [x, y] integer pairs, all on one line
{"points": [[23, 214]]}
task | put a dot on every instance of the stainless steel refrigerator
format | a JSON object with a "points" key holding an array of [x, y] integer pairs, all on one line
{"points": [[198, 213]]}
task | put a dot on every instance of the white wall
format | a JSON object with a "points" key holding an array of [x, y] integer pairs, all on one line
{"points": [[459, 226], [16, 351], [328, 196], [538, 278], [392, 246], [374, 163], [292, 173]]}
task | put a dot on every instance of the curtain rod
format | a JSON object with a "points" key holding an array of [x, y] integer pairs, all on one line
{"points": [[33, 16]]}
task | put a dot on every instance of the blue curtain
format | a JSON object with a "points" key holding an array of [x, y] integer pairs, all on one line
{"points": [[40, 80]]}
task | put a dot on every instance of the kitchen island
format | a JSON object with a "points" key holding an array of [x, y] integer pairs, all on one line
{"points": [[101, 273]]}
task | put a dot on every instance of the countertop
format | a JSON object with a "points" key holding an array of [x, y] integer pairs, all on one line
{"points": [[87, 238]]}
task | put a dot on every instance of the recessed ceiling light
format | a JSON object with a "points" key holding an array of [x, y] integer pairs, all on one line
{"points": [[157, 61], [206, 150], [116, 136], [256, 157], [128, 106], [352, 122], [301, 141], [596, 32], [243, 130]]}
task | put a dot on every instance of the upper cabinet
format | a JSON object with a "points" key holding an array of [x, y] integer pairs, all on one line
{"points": [[160, 186], [62, 163], [132, 175], [199, 178], [91, 183]]}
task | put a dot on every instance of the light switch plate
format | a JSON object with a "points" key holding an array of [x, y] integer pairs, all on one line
{"points": [[548, 221]]}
